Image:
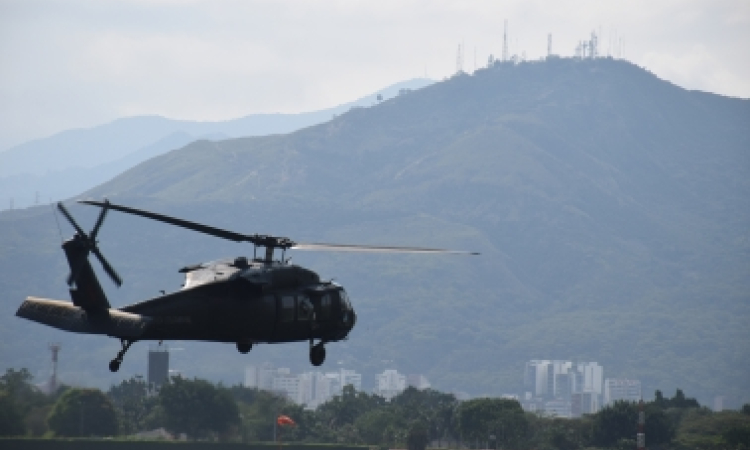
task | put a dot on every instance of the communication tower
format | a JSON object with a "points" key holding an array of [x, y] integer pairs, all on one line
{"points": [[549, 45], [460, 59], [55, 349], [641, 436], [505, 41]]}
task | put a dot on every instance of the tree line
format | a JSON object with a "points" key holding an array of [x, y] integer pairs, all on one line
{"points": [[199, 409]]}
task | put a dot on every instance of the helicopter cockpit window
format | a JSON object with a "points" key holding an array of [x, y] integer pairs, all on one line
{"points": [[345, 305], [287, 308], [325, 307], [304, 308]]}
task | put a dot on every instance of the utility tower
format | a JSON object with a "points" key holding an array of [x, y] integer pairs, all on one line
{"points": [[549, 45], [55, 349], [505, 41]]}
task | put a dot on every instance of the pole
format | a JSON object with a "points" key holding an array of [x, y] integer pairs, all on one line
{"points": [[641, 436]]}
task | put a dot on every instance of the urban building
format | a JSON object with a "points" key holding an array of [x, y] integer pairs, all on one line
{"points": [[621, 389], [583, 403], [389, 384], [158, 366], [417, 381], [309, 388], [557, 408], [562, 388]]}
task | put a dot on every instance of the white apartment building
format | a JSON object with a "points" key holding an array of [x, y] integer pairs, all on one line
{"points": [[563, 380], [309, 388], [390, 383], [621, 389], [591, 378], [289, 384]]}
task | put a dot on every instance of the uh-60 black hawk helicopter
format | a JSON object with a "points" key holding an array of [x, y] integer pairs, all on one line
{"points": [[239, 301]]}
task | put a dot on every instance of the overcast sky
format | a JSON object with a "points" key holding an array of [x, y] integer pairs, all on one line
{"points": [[72, 64]]}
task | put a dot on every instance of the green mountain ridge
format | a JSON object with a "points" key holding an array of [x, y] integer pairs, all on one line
{"points": [[612, 210]]}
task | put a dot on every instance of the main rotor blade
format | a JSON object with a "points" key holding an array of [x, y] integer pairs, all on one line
{"points": [[107, 267], [218, 232], [375, 249], [100, 220], [72, 221]]}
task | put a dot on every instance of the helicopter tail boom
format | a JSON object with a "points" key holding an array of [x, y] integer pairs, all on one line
{"points": [[87, 293], [66, 316]]}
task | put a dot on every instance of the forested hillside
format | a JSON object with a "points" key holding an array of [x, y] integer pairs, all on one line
{"points": [[612, 210]]}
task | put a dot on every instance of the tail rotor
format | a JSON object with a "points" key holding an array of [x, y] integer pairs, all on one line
{"points": [[89, 244]]}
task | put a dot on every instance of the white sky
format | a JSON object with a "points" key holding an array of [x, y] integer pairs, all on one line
{"points": [[71, 64]]}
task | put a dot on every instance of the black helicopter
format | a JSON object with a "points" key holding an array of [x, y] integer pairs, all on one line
{"points": [[239, 301]]}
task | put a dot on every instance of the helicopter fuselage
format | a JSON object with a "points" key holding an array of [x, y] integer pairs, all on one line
{"points": [[253, 302]]}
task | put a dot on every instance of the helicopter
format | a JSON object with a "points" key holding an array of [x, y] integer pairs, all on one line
{"points": [[237, 300]]}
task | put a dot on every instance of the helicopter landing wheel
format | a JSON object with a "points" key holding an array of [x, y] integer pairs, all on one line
{"points": [[114, 365], [244, 347], [317, 354]]}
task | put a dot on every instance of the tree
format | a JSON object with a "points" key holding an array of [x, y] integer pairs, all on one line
{"points": [[481, 418], [620, 421], [659, 428], [346, 408], [372, 424], [615, 422], [678, 401], [197, 408], [17, 384], [435, 409], [417, 438], [737, 437], [132, 404], [11, 420], [83, 412]]}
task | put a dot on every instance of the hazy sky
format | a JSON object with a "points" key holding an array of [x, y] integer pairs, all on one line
{"points": [[71, 64]]}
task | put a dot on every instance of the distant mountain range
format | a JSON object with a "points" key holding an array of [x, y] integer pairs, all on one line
{"points": [[612, 210], [73, 161]]}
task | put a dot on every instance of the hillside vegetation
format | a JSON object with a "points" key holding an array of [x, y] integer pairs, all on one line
{"points": [[611, 209]]}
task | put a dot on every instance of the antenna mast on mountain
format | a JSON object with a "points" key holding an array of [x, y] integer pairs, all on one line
{"points": [[549, 45], [459, 60], [505, 41]]}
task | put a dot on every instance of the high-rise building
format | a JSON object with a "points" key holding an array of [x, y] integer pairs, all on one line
{"points": [[261, 377], [584, 403], [289, 385], [390, 383], [158, 366], [621, 389], [592, 376], [562, 380]]}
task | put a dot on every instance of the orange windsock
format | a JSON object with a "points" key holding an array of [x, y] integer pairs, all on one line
{"points": [[285, 420]]}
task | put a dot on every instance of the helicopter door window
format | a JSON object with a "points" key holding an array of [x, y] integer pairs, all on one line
{"points": [[305, 308], [325, 307], [287, 308]]}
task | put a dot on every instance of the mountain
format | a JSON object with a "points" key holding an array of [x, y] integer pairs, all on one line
{"points": [[611, 208], [72, 161]]}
